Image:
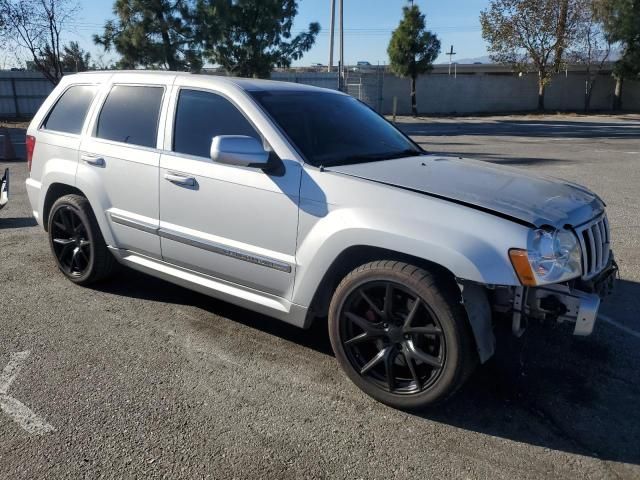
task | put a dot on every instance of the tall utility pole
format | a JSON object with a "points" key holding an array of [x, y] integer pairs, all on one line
{"points": [[332, 34], [341, 44]]}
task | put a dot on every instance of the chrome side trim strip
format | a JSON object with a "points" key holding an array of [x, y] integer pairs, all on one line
{"points": [[128, 222], [261, 302], [226, 251]]}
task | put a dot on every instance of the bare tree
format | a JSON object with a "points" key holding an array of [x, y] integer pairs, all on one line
{"points": [[37, 26], [530, 32], [590, 46]]}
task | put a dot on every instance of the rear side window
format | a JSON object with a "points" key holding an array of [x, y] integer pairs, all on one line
{"points": [[130, 115], [70, 110], [200, 116]]}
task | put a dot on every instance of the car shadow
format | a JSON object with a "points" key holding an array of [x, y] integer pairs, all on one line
{"points": [[17, 222], [548, 388], [131, 283]]}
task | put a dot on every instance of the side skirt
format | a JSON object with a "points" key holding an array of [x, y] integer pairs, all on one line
{"points": [[257, 301]]}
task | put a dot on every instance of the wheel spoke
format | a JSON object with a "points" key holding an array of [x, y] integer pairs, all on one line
{"points": [[379, 357], [373, 306], [412, 313], [65, 216], [59, 225], [84, 243], [427, 330], [388, 300], [363, 337], [74, 258], [63, 241], [389, 358], [364, 324], [84, 255], [412, 369], [423, 357], [66, 249]]}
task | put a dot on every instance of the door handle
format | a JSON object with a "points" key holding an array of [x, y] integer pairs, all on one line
{"points": [[180, 180], [92, 160]]}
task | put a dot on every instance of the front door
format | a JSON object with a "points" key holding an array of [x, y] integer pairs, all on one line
{"points": [[238, 224]]}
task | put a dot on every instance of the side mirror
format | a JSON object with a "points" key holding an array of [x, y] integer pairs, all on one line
{"points": [[4, 189], [239, 150]]}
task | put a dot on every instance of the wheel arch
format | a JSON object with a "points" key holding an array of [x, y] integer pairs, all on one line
{"points": [[472, 295], [356, 255], [55, 191]]}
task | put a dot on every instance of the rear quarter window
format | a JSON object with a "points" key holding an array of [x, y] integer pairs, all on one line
{"points": [[130, 115], [69, 112]]}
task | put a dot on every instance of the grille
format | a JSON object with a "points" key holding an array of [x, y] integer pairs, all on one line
{"points": [[595, 242]]}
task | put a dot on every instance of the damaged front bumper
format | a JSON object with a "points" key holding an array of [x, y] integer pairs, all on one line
{"points": [[577, 302]]}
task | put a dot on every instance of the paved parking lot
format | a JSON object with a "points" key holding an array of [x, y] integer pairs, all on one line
{"points": [[138, 378]]}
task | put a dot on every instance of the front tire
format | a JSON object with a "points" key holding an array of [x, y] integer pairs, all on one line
{"points": [[76, 241], [401, 334]]}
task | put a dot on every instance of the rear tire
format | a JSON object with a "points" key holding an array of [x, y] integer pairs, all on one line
{"points": [[77, 242], [401, 335]]}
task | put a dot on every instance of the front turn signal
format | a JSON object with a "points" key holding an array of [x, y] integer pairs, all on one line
{"points": [[520, 261]]}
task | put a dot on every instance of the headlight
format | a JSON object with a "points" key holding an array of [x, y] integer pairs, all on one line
{"points": [[552, 256]]}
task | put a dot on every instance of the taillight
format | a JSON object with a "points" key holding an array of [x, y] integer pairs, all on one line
{"points": [[31, 145]]}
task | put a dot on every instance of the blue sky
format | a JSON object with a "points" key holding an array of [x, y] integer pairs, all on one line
{"points": [[368, 26]]}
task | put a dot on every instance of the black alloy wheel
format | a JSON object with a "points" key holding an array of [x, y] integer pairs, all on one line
{"points": [[70, 241], [77, 242], [401, 334], [392, 337]]}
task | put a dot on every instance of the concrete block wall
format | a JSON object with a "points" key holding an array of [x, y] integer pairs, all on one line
{"points": [[21, 93], [470, 94]]}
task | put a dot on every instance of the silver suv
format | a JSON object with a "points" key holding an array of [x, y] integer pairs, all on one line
{"points": [[304, 204]]}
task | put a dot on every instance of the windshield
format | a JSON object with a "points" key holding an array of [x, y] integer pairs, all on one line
{"points": [[331, 129]]}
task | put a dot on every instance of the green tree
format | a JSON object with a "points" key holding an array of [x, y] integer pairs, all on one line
{"points": [[412, 49], [74, 58], [152, 34], [525, 32], [621, 20], [248, 38]]}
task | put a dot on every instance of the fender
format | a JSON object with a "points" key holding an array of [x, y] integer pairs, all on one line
{"points": [[472, 245]]}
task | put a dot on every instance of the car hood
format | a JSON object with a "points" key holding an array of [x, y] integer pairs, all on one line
{"points": [[504, 191]]}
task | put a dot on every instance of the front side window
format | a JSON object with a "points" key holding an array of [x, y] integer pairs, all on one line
{"points": [[130, 115], [330, 129], [70, 110], [200, 116]]}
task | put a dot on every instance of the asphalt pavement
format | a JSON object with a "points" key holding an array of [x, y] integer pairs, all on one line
{"points": [[138, 378]]}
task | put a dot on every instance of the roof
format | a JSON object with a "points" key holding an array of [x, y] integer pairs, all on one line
{"points": [[250, 84]]}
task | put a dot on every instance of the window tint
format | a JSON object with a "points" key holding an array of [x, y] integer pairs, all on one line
{"points": [[200, 116], [130, 115], [69, 112], [331, 129]]}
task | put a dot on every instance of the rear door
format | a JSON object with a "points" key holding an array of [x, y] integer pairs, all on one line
{"points": [[119, 158]]}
